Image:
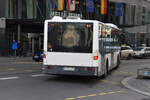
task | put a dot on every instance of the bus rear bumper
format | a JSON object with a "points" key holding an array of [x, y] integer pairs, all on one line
{"points": [[70, 70]]}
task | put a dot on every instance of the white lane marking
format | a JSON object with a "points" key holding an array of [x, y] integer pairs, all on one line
{"points": [[9, 78], [37, 75]]}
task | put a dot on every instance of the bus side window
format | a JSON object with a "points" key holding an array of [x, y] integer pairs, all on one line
{"points": [[102, 39], [115, 36]]}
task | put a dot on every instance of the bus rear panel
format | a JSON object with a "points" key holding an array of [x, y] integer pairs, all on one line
{"points": [[68, 48]]}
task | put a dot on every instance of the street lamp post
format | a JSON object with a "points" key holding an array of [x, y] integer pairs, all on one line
{"points": [[19, 13], [148, 25]]}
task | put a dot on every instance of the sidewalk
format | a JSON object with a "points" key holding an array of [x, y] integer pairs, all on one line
{"points": [[18, 65], [138, 85], [15, 59]]}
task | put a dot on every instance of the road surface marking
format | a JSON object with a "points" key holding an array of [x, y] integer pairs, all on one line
{"points": [[37, 75], [111, 82], [102, 93], [79, 97], [119, 91], [131, 73], [111, 92], [93, 95], [11, 69], [28, 70], [9, 78], [70, 99]]}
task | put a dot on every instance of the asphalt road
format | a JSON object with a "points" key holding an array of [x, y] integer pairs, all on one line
{"points": [[24, 81]]}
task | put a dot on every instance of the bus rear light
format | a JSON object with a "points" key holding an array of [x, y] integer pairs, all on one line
{"points": [[52, 25], [44, 55], [49, 67], [88, 26], [95, 57], [90, 69]]}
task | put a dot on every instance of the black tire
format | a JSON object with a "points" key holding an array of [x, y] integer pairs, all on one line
{"points": [[37, 60], [139, 77], [106, 70], [129, 56], [118, 62], [143, 56]]}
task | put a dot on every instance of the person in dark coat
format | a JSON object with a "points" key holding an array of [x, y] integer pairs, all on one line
{"points": [[19, 49]]}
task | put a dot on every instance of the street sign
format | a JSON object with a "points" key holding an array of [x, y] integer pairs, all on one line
{"points": [[64, 14]]}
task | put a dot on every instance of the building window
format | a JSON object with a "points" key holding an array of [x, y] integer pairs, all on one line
{"points": [[40, 8], [116, 13], [133, 8], [34, 9], [31, 10], [11, 8], [143, 15]]}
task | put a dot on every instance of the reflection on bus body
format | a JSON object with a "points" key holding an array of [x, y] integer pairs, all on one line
{"points": [[70, 37]]}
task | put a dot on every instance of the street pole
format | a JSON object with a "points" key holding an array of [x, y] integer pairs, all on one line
{"points": [[19, 13], [135, 41], [148, 25], [18, 32]]}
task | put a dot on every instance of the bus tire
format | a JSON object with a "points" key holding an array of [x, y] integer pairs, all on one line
{"points": [[118, 62], [106, 69]]}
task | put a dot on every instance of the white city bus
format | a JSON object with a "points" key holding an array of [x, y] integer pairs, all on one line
{"points": [[80, 47]]}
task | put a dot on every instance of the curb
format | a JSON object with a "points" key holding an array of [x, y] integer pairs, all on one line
{"points": [[125, 83]]}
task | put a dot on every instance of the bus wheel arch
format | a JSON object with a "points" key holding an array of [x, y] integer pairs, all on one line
{"points": [[129, 56], [118, 61], [106, 68]]}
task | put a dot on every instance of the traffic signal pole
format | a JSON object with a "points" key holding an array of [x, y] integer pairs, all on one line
{"points": [[148, 33]]}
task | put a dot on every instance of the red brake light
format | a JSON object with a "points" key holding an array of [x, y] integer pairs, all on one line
{"points": [[52, 25], [90, 69], [95, 57], [88, 26], [48, 67], [44, 56]]}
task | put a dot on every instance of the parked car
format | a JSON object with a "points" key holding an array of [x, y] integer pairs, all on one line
{"points": [[142, 52], [126, 52], [38, 56], [147, 50]]}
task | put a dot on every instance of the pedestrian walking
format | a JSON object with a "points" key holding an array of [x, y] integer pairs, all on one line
{"points": [[14, 48], [19, 50]]}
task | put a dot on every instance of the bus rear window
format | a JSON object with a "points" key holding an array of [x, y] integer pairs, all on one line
{"points": [[70, 37]]}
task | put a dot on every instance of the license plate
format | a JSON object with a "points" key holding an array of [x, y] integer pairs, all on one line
{"points": [[137, 54], [36, 56], [146, 73], [69, 68]]}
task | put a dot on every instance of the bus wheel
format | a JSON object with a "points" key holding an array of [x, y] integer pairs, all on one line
{"points": [[118, 62], [106, 70]]}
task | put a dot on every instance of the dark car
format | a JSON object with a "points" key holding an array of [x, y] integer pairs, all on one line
{"points": [[38, 56]]}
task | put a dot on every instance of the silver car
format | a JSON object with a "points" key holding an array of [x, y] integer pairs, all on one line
{"points": [[142, 52]]}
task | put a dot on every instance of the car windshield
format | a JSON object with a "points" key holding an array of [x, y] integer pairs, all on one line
{"points": [[147, 49], [125, 48], [139, 49]]}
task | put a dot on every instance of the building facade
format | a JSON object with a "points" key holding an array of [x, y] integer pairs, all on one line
{"points": [[24, 20]]}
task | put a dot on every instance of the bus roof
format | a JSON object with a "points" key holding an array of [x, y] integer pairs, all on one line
{"points": [[112, 25], [70, 19]]}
